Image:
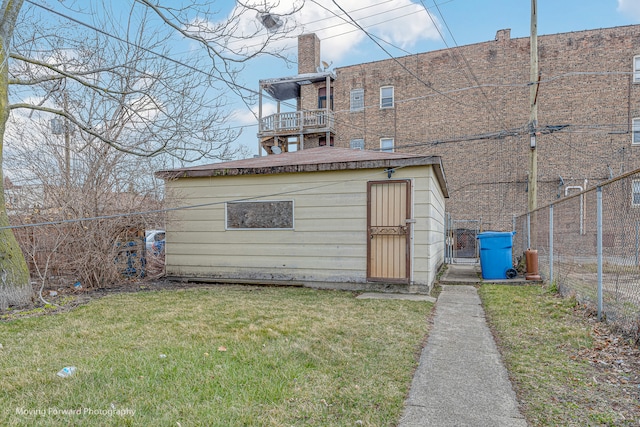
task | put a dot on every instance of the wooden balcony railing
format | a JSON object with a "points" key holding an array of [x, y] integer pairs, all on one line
{"points": [[295, 122]]}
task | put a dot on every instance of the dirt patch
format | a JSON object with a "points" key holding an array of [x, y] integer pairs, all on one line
{"points": [[64, 299], [616, 363]]}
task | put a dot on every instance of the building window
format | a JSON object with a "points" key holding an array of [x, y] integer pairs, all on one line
{"points": [[636, 69], [356, 144], [266, 215], [635, 192], [635, 131], [322, 98], [322, 141], [386, 144], [386, 97], [357, 100]]}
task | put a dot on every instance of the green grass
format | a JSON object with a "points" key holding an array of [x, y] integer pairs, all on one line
{"points": [[235, 356], [542, 338]]}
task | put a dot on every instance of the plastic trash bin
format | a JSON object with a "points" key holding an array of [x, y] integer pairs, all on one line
{"points": [[495, 255]]}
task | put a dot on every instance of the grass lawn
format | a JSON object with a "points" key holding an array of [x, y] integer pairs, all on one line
{"points": [[568, 370], [219, 356]]}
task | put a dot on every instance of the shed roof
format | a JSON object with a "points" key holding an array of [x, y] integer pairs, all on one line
{"points": [[311, 160]]}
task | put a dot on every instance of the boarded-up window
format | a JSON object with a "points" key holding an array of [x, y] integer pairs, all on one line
{"points": [[357, 100], [357, 144], [263, 214]]}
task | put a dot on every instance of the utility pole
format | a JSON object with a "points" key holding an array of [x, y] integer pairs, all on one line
{"points": [[67, 145], [533, 124]]}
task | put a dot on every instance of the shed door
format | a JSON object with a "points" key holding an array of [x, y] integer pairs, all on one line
{"points": [[388, 218]]}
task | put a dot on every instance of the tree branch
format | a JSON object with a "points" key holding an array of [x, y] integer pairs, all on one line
{"points": [[74, 75], [89, 130]]}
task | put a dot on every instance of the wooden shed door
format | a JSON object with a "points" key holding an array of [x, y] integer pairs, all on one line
{"points": [[389, 212]]}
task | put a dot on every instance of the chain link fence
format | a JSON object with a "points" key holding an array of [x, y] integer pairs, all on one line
{"points": [[94, 254], [588, 245]]}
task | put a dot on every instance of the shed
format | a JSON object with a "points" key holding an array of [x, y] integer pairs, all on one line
{"points": [[324, 217]]}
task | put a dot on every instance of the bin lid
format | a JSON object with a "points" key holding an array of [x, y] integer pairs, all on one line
{"points": [[491, 234]]}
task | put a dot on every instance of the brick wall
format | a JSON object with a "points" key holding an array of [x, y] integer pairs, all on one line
{"points": [[470, 105]]}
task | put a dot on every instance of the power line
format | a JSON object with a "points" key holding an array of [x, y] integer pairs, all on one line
{"points": [[394, 58], [351, 31], [190, 67], [459, 52], [254, 92], [201, 205], [132, 44], [346, 22]]}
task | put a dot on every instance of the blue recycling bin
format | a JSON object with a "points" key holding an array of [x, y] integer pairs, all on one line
{"points": [[495, 255]]}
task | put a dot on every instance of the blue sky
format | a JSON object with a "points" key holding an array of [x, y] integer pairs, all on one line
{"points": [[404, 27]]}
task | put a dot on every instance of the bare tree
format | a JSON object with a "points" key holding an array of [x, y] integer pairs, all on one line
{"points": [[76, 177], [119, 83]]}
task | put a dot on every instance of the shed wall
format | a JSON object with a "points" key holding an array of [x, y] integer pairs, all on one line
{"points": [[328, 243]]}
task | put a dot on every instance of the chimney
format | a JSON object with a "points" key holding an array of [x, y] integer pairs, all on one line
{"points": [[308, 53], [503, 35]]}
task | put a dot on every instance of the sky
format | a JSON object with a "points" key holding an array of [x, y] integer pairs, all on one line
{"points": [[404, 27], [401, 27]]}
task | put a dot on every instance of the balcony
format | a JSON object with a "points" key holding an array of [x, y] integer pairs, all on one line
{"points": [[297, 123]]}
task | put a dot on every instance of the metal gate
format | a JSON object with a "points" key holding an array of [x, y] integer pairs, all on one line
{"points": [[461, 241], [388, 223]]}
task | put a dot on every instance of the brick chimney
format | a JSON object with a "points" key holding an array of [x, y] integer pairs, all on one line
{"points": [[308, 53], [503, 35]]}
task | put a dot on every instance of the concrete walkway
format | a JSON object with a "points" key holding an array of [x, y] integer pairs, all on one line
{"points": [[471, 274], [461, 380]]}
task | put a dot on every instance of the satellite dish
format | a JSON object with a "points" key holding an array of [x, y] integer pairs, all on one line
{"points": [[325, 65], [276, 150]]}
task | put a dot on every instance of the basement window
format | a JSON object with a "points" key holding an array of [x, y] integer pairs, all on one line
{"points": [[636, 69], [264, 215]]}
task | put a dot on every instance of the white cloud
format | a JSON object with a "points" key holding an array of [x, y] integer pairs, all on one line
{"points": [[630, 8], [401, 23], [248, 117]]}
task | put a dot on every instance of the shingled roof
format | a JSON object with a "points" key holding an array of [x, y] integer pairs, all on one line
{"points": [[311, 160]]}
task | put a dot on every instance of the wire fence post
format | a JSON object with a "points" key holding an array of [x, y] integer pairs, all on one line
{"points": [[599, 247], [551, 243], [637, 248], [594, 253]]}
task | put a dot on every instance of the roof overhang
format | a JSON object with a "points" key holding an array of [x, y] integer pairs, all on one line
{"points": [[321, 159], [283, 88]]}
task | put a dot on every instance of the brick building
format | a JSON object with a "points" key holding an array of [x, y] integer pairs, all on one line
{"points": [[470, 106]]}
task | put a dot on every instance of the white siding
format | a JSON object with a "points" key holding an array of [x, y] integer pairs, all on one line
{"points": [[429, 213], [329, 239]]}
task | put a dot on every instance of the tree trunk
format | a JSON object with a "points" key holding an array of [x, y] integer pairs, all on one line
{"points": [[15, 285]]}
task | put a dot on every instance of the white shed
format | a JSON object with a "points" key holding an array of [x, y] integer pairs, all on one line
{"points": [[324, 217]]}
